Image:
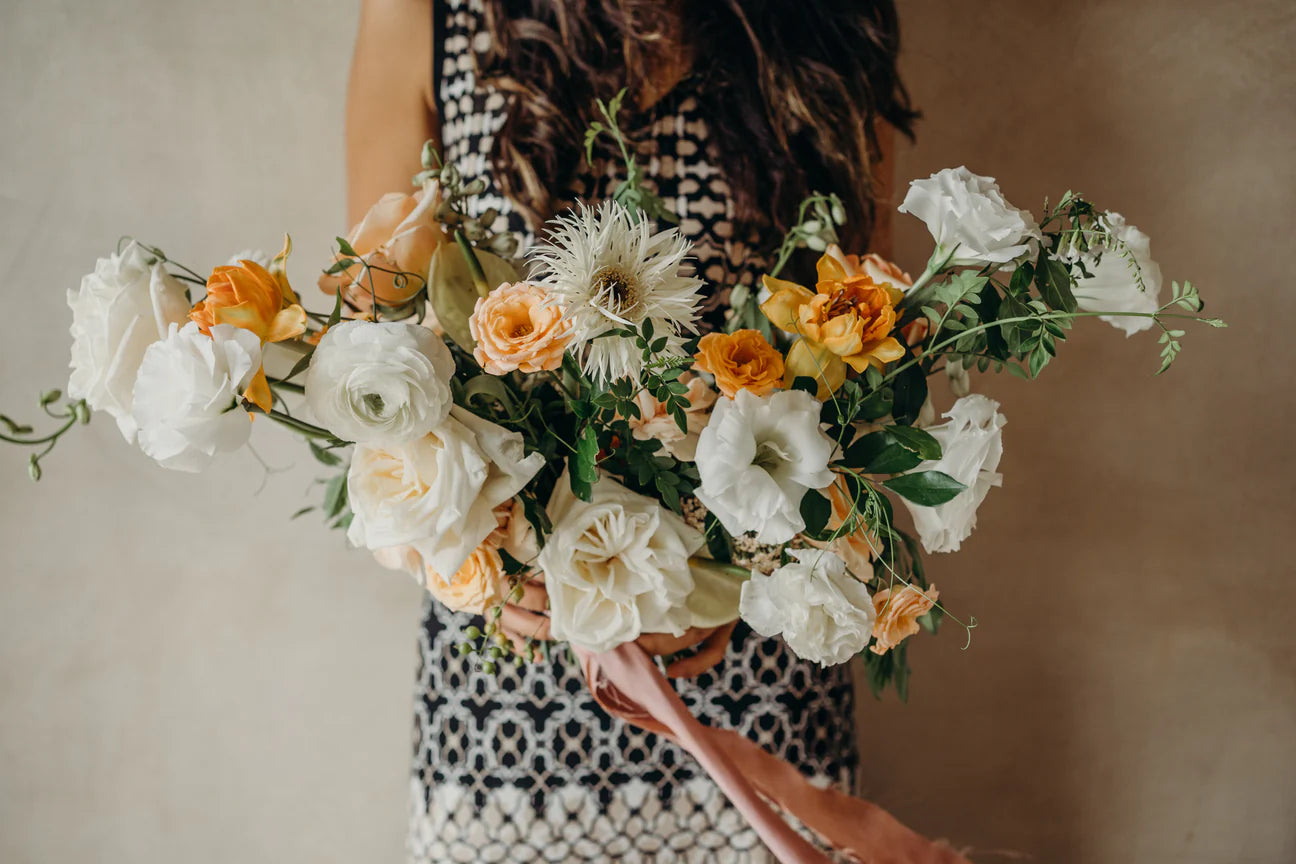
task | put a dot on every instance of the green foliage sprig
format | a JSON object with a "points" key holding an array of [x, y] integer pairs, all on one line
{"points": [[633, 192], [71, 413]]}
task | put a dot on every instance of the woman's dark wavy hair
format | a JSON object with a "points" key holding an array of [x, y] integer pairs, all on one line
{"points": [[791, 90]]}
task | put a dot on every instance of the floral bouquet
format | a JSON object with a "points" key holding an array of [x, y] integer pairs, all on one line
{"points": [[556, 441]]}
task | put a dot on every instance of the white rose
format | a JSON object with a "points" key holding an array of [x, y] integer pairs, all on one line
{"points": [[757, 457], [616, 567], [121, 309], [823, 613], [380, 383], [971, 445], [968, 216], [186, 399], [438, 493], [1114, 286]]}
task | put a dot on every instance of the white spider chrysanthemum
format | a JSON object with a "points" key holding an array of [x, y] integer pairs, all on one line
{"points": [[609, 271]]}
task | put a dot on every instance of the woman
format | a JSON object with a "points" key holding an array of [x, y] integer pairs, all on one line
{"points": [[740, 108]]}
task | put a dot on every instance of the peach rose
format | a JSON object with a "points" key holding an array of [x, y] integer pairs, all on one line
{"points": [[655, 422], [860, 547], [398, 234], [479, 585], [742, 360], [517, 326], [898, 613]]}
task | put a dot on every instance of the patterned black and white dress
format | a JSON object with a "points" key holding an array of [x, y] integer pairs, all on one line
{"points": [[522, 765]]}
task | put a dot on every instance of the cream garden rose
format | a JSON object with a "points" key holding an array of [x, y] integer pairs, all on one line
{"points": [[385, 382], [823, 613], [969, 218], [121, 309], [616, 567], [186, 398], [971, 446], [437, 493], [1113, 283], [757, 457]]}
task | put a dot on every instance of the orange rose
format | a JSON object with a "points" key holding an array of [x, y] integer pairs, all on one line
{"points": [[845, 322], [397, 235], [252, 298], [741, 360], [479, 585], [897, 615], [871, 265], [517, 326]]}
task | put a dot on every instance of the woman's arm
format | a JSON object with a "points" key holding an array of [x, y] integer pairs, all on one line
{"points": [[390, 108]]}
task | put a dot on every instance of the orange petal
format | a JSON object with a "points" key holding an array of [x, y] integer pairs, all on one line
{"points": [[288, 324], [258, 392], [830, 269], [786, 298], [808, 360], [279, 269], [245, 315]]}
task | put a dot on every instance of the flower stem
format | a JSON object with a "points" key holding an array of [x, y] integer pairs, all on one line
{"points": [[474, 265], [300, 426]]}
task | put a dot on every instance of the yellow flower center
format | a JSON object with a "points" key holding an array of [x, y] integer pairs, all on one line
{"points": [[616, 291]]}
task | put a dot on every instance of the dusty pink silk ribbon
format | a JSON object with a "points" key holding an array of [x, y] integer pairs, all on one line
{"points": [[629, 685]]}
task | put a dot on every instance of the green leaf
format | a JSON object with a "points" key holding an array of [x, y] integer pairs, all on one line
{"points": [[1054, 283], [302, 512], [345, 248], [324, 456], [14, 427], [910, 388], [806, 383], [928, 488], [336, 315], [816, 511], [512, 566], [583, 464], [917, 440], [300, 366], [880, 453], [335, 496], [537, 517]]}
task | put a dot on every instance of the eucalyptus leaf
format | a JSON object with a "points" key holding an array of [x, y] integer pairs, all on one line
{"points": [[451, 290]]}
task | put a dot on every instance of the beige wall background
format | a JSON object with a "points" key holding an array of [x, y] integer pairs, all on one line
{"points": [[185, 675]]}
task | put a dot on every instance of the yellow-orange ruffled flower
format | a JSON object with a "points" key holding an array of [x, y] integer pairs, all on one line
{"points": [[517, 326], [742, 360], [479, 585], [845, 322], [897, 615], [254, 299]]}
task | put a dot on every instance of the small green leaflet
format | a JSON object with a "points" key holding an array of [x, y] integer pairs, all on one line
{"points": [[583, 464]]}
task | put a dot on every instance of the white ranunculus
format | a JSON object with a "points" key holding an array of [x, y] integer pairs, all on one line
{"points": [[971, 445], [616, 567], [121, 309], [1113, 285], [437, 493], [380, 382], [757, 457], [186, 398], [968, 216], [823, 613]]}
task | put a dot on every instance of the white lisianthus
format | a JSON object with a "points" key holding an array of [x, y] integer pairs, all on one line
{"points": [[380, 383], [1114, 283], [121, 309], [971, 446], [823, 613], [186, 399], [616, 567], [968, 217], [256, 256], [437, 493], [757, 457]]}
